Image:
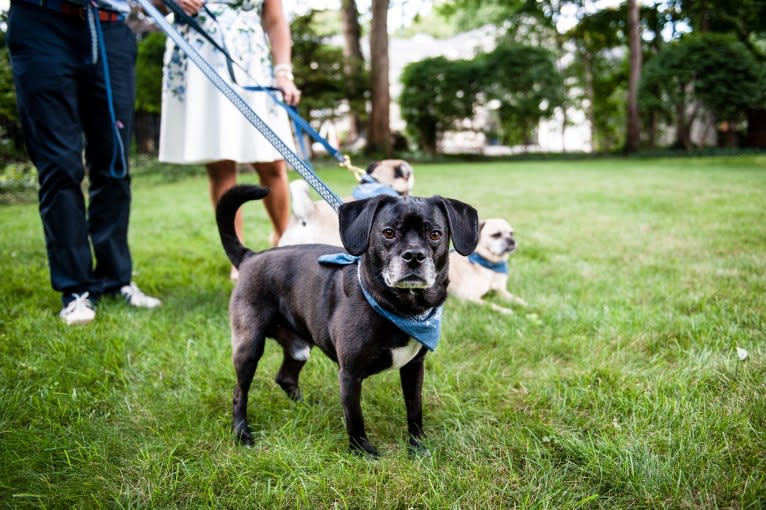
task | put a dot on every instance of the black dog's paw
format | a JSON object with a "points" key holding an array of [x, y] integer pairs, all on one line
{"points": [[243, 434], [292, 390], [416, 446], [363, 447], [294, 393]]}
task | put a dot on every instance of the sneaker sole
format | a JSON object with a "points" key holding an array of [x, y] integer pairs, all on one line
{"points": [[77, 322]]}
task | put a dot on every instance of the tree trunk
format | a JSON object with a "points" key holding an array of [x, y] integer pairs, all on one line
{"points": [[756, 128], [655, 121], [146, 132], [587, 62], [633, 135], [380, 129], [353, 62], [683, 130]]}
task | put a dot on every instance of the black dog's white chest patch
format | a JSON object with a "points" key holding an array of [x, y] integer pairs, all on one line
{"points": [[400, 356]]}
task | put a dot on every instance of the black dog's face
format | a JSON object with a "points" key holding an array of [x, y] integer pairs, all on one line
{"points": [[407, 239], [411, 244]]}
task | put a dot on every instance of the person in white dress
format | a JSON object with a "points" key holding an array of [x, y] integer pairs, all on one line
{"points": [[199, 125]]}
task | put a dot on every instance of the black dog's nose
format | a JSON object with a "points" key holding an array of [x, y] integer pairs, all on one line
{"points": [[414, 256]]}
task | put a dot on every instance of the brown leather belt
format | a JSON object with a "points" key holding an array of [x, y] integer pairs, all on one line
{"points": [[78, 10]]}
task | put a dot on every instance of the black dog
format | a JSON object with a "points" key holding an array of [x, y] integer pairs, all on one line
{"points": [[286, 294]]}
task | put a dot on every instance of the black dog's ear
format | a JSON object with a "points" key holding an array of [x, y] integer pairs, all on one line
{"points": [[355, 219], [463, 224]]}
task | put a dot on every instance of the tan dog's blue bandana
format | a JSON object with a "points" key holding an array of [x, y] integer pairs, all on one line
{"points": [[425, 328], [370, 187], [498, 267]]}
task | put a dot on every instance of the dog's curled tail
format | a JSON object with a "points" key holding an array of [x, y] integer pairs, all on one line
{"points": [[225, 212]]}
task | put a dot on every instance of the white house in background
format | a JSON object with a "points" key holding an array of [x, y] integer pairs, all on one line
{"points": [[550, 136]]}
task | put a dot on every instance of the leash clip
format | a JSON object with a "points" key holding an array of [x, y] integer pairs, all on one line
{"points": [[346, 163]]}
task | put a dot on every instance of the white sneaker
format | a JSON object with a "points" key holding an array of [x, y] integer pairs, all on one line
{"points": [[135, 297], [79, 311]]}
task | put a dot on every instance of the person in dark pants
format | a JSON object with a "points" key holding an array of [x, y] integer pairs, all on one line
{"points": [[74, 70]]}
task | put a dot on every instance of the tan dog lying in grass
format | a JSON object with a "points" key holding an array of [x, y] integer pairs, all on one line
{"points": [[316, 222], [486, 269]]}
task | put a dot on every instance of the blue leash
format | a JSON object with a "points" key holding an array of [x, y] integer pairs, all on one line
{"points": [[94, 24], [291, 157], [301, 126]]}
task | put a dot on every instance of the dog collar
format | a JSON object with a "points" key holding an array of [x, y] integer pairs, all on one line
{"points": [[370, 187], [498, 267], [425, 328]]}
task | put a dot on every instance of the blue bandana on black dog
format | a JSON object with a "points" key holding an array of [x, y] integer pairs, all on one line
{"points": [[498, 267], [425, 328]]}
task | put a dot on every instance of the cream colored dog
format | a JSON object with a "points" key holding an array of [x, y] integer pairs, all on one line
{"points": [[316, 222], [486, 269]]}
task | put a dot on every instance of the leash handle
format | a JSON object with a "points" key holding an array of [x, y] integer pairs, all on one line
{"points": [[296, 162]]}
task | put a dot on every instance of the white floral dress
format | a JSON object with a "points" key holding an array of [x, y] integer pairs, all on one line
{"points": [[199, 124]]}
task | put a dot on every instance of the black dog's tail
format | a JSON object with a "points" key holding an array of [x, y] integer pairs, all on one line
{"points": [[225, 211]]}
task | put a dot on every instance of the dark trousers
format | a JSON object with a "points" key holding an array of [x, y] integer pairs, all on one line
{"points": [[62, 101]]}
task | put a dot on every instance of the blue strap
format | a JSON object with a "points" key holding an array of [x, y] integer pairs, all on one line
{"points": [[498, 267], [300, 122], [302, 143], [338, 259], [371, 187], [291, 157], [118, 147], [425, 328]]}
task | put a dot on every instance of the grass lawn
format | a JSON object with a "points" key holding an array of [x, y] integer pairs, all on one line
{"points": [[620, 386]]}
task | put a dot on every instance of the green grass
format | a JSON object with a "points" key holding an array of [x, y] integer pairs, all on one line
{"points": [[618, 387]]}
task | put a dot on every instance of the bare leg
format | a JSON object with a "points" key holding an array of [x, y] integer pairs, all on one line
{"points": [[222, 175], [273, 175]]}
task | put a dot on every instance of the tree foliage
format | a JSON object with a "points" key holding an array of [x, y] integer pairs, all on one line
{"points": [[318, 69], [718, 69], [706, 69], [600, 75], [527, 85], [437, 94], [11, 143], [745, 19], [521, 81], [151, 49], [471, 14]]}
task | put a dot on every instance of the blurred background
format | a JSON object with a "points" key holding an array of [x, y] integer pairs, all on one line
{"points": [[500, 77]]}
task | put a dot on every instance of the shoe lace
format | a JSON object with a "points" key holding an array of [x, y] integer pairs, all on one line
{"points": [[80, 300]]}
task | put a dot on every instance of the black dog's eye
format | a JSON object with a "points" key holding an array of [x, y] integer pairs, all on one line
{"points": [[389, 233], [436, 235]]}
